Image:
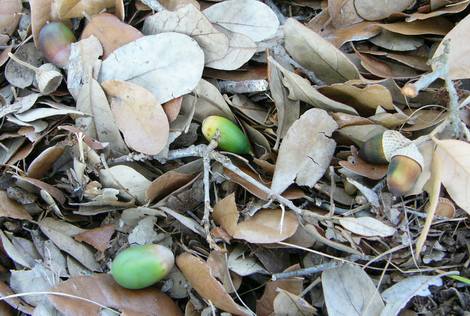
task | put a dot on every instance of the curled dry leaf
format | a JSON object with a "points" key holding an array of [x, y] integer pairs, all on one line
{"points": [[289, 304], [44, 161], [97, 237], [455, 170], [40, 14], [10, 13], [9, 208], [111, 32], [126, 178], [190, 21], [374, 10], [138, 115], [262, 228], [317, 54], [348, 290], [248, 17], [458, 61], [306, 151], [172, 108], [199, 275], [436, 26], [173, 68], [101, 288], [367, 226]]}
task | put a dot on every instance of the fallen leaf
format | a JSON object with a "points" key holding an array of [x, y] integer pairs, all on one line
{"points": [[262, 228], [172, 108], [19, 75], [15, 254], [359, 134], [44, 161], [138, 115], [367, 226], [398, 295], [290, 304], [348, 290], [174, 67], [397, 42], [455, 170], [449, 8], [318, 55], [458, 63], [38, 279], [97, 237], [248, 17], [167, 183], [40, 15], [101, 288], [10, 13], [53, 191], [343, 13], [67, 9], [209, 101], [14, 302], [355, 32], [110, 31], [176, 4], [126, 178], [294, 285], [288, 110], [386, 69], [306, 151], [10, 208], [199, 275], [377, 10], [190, 21], [435, 26], [52, 229], [242, 264]]}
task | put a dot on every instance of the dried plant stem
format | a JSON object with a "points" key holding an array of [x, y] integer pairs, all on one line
{"points": [[207, 199]]}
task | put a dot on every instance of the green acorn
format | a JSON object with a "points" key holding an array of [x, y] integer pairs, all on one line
{"points": [[54, 43], [138, 267], [231, 138]]}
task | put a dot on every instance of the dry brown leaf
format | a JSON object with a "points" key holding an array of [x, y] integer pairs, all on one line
{"points": [[10, 13], [16, 303], [436, 26], [40, 166], [40, 14], [264, 306], [172, 108], [289, 304], [138, 115], [199, 275], [397, 42], [262, 228], [454, 155], [53, 191], [315, 53], [364, 100], [111, 32], [306, 151], [449, 9], [386, 69], [9, 208], [97, 237], [374, 10], [343, 13], [367, 226], [445, 208], [356, 32], [127, 179], [359, 166], [167, 183], [67, 9], [267, 226], [459, 50], [176, 4], [101, 288]]}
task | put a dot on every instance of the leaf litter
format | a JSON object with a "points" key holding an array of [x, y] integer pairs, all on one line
{"points": [[306, 223]]}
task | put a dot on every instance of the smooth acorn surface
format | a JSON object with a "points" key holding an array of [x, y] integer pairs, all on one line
{"points": [[140, 266], [231, 139], [372, 150], [54, 43], [402, 175]]}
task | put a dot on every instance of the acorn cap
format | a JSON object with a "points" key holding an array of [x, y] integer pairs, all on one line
{"points": [[410, 151], [48, 78], [393, 141]]}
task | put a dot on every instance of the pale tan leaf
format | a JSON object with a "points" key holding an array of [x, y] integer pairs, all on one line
{"points": [[367, 226], [459, 50], [67, 9], [454, 155], [97, 237], [343, 13], [190, 21], [397, 42], [110, 31], [386, 69], [44, 161], [289, 304], [9, 208], [167, 183], [10, 13], [348, 290], [248, 17], [40, 14], [226, 214], [173, 69], [209, 101], [138, 115], [373, 10], [176, 4], [449, 8], [317, 54], [306, 151], [125, 178], [436, 26], [101, 288], [199, 275]]}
